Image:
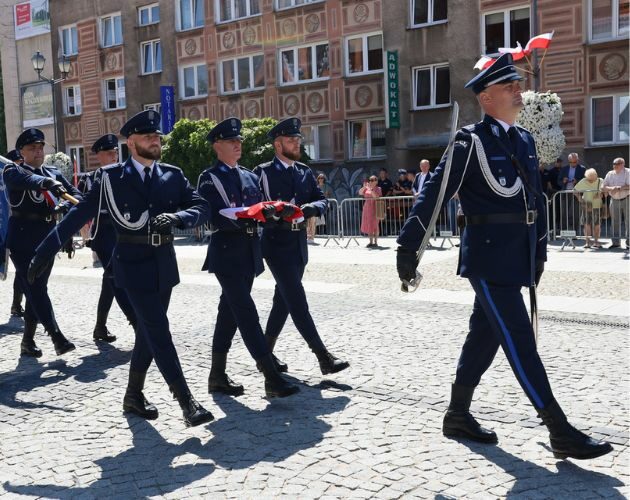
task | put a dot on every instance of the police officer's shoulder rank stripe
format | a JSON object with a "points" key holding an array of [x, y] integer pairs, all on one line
{"points": [[265, 165]]}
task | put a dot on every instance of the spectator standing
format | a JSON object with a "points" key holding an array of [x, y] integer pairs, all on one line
{"points": [[617, 185], [384, 183], [569, 176], [369, 221], [421, 177], [588, 192]]}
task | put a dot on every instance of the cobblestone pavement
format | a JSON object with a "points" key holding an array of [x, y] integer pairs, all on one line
{"points": [[372, 431]]}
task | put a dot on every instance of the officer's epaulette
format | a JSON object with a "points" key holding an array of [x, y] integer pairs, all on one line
{"points": [[522, 129], [302, 165], [168, 166], [463, 137], [265, 165], [113, 166]]}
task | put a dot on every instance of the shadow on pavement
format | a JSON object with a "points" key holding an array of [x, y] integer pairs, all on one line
{"points": [[530, 477], [145, 468]]}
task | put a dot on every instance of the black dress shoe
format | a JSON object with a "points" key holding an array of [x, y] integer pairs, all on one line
{"points": [[220, 382], [136, 403], [61, 343], [275, 385], [30, 349], [459, 424], [194, 413], [102, 334], [281, 366], [329, 363]]}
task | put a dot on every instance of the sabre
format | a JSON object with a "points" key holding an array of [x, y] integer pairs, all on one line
{"points": [[413, 284]]}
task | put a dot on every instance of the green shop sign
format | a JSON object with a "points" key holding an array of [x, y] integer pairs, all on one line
{"points": [[393, 90]]}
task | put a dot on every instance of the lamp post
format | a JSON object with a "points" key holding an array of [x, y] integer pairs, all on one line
{"points": [[39, 61]]}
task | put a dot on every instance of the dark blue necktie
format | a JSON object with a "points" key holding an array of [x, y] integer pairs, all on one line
{"points": [[513, 134], [147, 178]]}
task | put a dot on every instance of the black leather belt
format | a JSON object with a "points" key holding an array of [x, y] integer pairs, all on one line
{"points": [[284, 225], [528, 218], [153, 239], [30, 216]]}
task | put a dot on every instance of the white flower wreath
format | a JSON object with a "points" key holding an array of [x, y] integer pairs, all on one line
{"points": [[541, 115]]}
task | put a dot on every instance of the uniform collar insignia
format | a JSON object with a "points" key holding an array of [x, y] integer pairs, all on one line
{"points": [[495, 130]]}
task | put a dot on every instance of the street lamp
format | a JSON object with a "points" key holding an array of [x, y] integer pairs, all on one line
{"points": [[38, 60]]}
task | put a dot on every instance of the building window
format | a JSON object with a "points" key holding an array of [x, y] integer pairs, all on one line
{"points": [[609, 119], [317, 142], [246, 73], [425, 12], [69, 41], [72, 100], [505, 28], [115, 93], [148, 14], [287, 4], [364, 54], [431, 86], [77, 156], [156, 106], [609, 19], [151, 57], [367, 138], [194, 81], [190, 14], [303, 64], [111, 30], [236, 9]]}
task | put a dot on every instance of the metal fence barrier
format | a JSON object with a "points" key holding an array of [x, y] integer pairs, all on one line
{"points": [[329, 225]]}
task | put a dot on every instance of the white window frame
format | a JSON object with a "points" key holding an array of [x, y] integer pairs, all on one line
{"points": [[76, 90], [615, 123], [76, 151], [149, 8], [118, 81], [506, 26], [101, 22], [234, 61], [316, 141], [295, 58], [155, 106], [430, 21], [69, 28], [248, 8], [364, 42], [432, 68], [369, 154], [182, 85], [153, 44], [294, 4], [614, 35], [178, 14]]}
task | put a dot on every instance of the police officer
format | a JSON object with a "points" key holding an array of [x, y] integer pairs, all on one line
{"points": [[16, 304], [234, 256], [32, 189], [145, 200], [503, 248], [284, 244], [103, 240]]}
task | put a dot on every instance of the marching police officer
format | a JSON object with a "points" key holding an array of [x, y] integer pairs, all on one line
{"points": [[503, 248], [234, 256], [145, 200], [284, 243], [16, 304], [32, 189], [103, 240]]}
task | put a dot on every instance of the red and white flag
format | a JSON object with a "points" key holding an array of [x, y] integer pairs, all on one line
{"points": [[51, 200], [484, 62], [517, 53], [539, 42]]}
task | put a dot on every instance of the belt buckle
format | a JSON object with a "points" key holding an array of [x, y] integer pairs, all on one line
{"points": [[156, 239], [249, 230], [531, 217], [295, 226], [48, 218]]}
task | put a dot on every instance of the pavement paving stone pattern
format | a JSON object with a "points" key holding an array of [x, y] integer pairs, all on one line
{"points": [[373, 431]]}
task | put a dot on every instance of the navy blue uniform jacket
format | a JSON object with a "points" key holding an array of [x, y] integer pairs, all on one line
{"points": [[497, 253], [135, 267], [277, 184]]}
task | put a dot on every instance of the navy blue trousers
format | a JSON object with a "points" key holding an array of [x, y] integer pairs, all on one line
{"points": [[238, 310], [290, 298], [153, 336], [500, 318]]}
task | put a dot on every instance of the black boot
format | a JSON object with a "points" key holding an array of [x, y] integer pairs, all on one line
{"points": [[458, 422], [61, 343], [28, 346], [194, 413], [275, 385], [101, 333], [280, 365], [218, 381], [134, 400], [17, 310], [566, 441], [329, 363]]}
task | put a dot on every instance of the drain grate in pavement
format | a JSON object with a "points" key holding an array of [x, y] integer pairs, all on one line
{"points": [[583, 321]]}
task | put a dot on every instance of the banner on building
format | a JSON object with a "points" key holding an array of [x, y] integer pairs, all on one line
{"points": [[167, 106], [31, 18], [37, 105], [393, 90]]}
